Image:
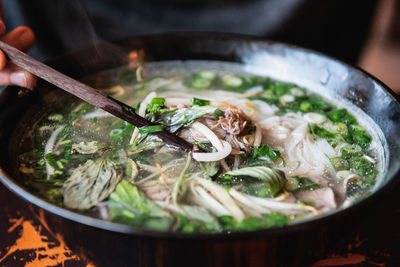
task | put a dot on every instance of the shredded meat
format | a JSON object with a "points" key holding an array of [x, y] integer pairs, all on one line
{"points": [[232, 127], [234, 121]]}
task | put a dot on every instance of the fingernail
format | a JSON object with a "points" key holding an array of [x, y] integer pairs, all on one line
{"points": [[18, 78]]}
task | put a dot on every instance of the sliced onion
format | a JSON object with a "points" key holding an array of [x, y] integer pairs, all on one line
{"points": [[142, 112], [258, 135], [204, 130], [214, 156]]}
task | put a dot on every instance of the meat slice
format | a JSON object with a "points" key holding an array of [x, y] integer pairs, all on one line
{"points": [[322, 198]]}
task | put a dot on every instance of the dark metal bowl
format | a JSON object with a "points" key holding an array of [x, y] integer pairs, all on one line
{"points": [[332, 78]]}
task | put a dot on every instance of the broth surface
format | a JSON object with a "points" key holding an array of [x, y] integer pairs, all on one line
{"points": [[272, 153]]}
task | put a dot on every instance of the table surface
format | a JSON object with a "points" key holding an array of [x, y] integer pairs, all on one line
{"points": [[27, 240]]}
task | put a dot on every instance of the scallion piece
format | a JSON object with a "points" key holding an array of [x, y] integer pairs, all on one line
{"points": [[201, 83], [207, 74], [114, 133], [200, 102], [232, 81], [151, 129], [349, 151], [340, 164]]}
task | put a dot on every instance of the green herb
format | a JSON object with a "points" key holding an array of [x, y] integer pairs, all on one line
{"points": [[363, 167], [175, 119], [267, 220], [51, 159], [128, 205], [196, 219], [200, 102], [155, 105], [266, 151], [259, 180], [151, 129], [218, 113], [298, 183]]}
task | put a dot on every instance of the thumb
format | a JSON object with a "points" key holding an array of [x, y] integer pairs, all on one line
{"points": [[13, 75]]}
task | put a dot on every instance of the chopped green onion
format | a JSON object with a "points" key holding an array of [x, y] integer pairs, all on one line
{"points": [[342, 128], [349, 151], [207, 74], [65, 142], [337, 115], [200, 102], [362, 139], [232, 81], [201, 83], [115, 133], [358, 128], [59, 164], [305, 106], [340, 164], [151, 129]]}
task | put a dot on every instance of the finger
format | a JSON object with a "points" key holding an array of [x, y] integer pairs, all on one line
{"points": [[3, 60], [21, 38], [2, 26], [13, 75]]}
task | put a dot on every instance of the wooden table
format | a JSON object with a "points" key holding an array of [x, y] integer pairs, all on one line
{"points": [[26, 239]]}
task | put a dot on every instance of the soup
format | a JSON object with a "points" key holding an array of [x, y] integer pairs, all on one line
{"points": [[269, 153]]}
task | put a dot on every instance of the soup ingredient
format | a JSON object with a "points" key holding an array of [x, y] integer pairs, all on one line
{"points": [[90, 183]]}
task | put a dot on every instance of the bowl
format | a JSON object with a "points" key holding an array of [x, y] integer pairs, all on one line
{"points": [[334, 79]]}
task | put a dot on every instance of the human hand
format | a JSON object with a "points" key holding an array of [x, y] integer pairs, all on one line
{"points": [[21, 38]]}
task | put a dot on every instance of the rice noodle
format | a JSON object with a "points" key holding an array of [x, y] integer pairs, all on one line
{"points": [[257, 135], [49, 149], [248, 203], [142, 112], [209, 201], [222, 195], [99, 113], [283, 207]]}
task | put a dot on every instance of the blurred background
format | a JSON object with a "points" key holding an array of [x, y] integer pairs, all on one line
{"points": [[365, 33]]}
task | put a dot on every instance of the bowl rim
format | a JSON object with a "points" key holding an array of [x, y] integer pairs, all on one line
{"points": [[77, 217]]}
